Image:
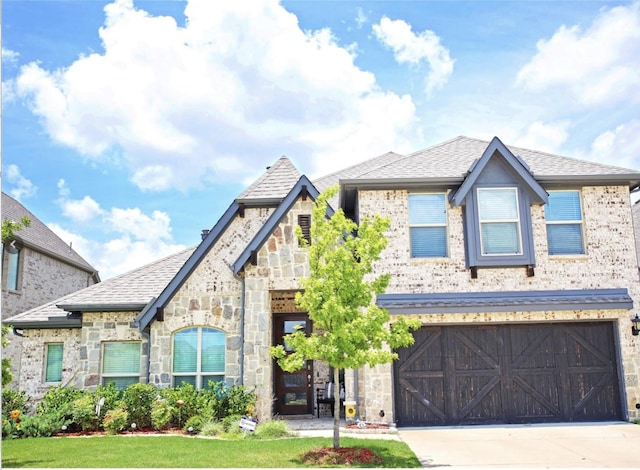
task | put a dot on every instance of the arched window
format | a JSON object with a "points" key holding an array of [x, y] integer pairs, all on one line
{"points": [[198, 356]]}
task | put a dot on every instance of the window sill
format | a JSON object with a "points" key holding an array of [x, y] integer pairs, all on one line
{"points": [[444, 260], [581, 257]]}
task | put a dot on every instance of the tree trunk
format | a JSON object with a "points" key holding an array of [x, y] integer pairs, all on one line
{"points": [[336, 408]]}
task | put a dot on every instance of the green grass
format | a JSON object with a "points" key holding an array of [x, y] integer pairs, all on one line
{"points": [[183, 452]]}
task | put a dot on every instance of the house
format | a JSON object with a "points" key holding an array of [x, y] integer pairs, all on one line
{"points": [[37, 266], [521, 266]]}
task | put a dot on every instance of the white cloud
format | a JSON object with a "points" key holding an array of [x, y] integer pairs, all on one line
{"points": [[21, 188], [547, 137], [128, 237], [414, 49], [595, 66], [183, 106], [9, 56], [620, 147], [81, 211], [361, 18]]}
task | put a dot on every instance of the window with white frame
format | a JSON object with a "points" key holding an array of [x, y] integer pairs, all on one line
{"points": [[428, 225], [53, 361], [198, 356], [563, 214], [499, 218], [121, 363]]}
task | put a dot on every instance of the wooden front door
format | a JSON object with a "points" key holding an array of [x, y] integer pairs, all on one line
{"points": [[561, 372], [293, 390]]}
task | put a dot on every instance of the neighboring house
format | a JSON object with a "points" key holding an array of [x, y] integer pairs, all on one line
{"points": [[37, 266], [521, 266]]}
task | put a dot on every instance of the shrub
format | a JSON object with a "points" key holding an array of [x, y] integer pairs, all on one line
{"points": [[115, 421], [13, 400], [212, 428], [226, 401], [41, 425], [84, 412], [138, 399], [161, 413], [196, 423], [231, 425], [58, 402], [112, 398], [274, 429]]}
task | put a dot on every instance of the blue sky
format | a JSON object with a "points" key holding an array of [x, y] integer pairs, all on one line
{"points": [[128, 127]]}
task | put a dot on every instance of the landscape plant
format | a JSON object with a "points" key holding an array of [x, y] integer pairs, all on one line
{"points": [[138, 400], [350, 330], [84, 412], [115, 421]]}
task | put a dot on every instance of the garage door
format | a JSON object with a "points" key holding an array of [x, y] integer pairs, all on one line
{"points": [[540, 373]]}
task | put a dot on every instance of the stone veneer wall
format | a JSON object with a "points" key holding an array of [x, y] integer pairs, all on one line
{"points": [[210, 297], [32, 379], [41, 279], [609, 262], [281, 263]]}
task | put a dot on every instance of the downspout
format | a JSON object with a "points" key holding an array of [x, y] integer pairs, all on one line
{"points": [[15, 332], [147, 335], [240, 277]]}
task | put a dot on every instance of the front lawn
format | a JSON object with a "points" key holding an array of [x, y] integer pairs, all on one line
{"points": [[184, 452]]}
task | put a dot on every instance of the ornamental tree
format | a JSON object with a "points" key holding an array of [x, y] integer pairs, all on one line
{"points": [[9, 227], [349, 329]]}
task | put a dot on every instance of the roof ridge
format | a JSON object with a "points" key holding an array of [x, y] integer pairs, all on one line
{"points": [[282, 166]]}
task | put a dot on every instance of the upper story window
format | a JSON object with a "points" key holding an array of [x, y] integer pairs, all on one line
{"points": [[499, 219], [563, 214], [121, 363], [428, 225], [11, 255], [53, 371], [198, 356]]}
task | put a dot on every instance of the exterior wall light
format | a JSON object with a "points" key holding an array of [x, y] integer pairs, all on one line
{"points": [[635, 325]]}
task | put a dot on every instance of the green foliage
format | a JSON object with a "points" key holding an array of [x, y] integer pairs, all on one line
{"points": [[115, 421], [224, 400], [57, 403], [196, 424], [112, 398], [138, 400], [7, 376], [161, 414], [273, 429], [212, 429], [10, 227], [350, 330], [43, 425], [14, 400], [84, 412]]}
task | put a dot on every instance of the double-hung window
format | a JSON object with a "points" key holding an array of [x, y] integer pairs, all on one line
{"points": [[53, 371], [198, 356], [121, 363], [428, 225], [563, 214], [499, 218]]}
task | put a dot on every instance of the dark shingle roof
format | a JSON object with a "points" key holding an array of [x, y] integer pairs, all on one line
{"points": [[126, 292], [274, 184], [40, 237]]}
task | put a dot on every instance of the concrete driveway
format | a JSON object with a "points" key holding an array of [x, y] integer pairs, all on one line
{"points": [[593, 445]]}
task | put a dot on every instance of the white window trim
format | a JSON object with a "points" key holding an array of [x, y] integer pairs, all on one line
{"points": [[517, 221], [198, 374], [445, 224]]}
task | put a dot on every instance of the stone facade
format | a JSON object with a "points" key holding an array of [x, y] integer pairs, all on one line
{"points": [[609, 262], [41, 278]]}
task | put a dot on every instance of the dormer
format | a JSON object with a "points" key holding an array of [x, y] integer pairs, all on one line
{"points": [[496, 195]]}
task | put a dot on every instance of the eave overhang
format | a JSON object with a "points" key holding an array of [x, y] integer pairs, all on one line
{"points": [[106, 307], [515, 301]]}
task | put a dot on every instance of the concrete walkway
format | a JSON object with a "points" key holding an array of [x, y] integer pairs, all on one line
{"points": [[593, 445]]}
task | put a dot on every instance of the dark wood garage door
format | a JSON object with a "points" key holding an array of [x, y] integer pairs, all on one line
{"points": [[540, 373]]}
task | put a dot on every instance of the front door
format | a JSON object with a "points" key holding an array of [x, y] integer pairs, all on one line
{"points": [[294, 394]]}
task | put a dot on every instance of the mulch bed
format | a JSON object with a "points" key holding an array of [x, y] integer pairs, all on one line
{"points": [[341, 456]]}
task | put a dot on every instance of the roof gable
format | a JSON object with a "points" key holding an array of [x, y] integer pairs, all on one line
{"points": [[303, 187], [39, 237], [273, 185], [496, 149]]}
